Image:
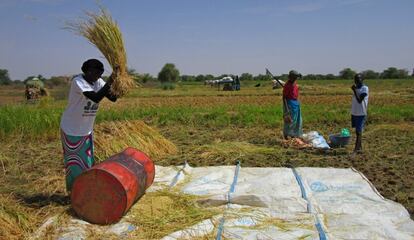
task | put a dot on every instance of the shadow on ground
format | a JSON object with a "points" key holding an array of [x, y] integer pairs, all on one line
{"points": [[42, 200]]}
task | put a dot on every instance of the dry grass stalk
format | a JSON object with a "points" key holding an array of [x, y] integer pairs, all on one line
{"points": [[103, 32], [158, 214], [15, 221], [114, 137]]}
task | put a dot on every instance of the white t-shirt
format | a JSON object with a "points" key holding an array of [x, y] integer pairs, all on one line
{"points": [[79, 116], [360, 109]]}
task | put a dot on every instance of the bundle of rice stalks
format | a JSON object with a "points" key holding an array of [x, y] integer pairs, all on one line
{"points": [[114, 137], [103, 32]]}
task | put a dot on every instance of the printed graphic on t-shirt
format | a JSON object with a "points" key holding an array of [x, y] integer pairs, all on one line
{"points": [[90, 109]]}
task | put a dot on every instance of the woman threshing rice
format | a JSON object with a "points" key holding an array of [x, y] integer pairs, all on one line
{"points": [[86, 91], [292, 117]]}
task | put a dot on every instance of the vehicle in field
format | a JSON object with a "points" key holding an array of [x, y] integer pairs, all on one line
{"points": [[35, 89]]}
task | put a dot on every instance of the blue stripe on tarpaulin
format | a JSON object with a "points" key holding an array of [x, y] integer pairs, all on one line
{"points": [[302, 189], [236, 175], [322, 234], [220, 229], [232, 187], [318, 225], [175, 179]]}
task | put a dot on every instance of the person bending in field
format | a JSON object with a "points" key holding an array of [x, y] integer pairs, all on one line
{"points": [[86, 91], [292, 117], [359, 109]]}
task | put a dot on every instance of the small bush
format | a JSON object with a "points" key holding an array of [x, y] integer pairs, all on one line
{"points": [[168, 86]]}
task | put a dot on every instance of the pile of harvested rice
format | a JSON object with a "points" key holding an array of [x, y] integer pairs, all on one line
{"points": [[158, 214], [113, 137], [103, 32]]}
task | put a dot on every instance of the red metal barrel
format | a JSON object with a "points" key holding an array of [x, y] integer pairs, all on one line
{"points": [[105, 192]]}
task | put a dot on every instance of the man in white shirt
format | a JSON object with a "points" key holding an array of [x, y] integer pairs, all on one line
{"points": [[359, 109], [86, 91]]}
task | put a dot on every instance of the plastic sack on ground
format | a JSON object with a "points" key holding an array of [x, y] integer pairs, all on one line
{"points": [[315, 139]]}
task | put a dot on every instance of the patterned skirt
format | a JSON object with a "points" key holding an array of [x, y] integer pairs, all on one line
{"points": [[293, 128], [78, 156]]}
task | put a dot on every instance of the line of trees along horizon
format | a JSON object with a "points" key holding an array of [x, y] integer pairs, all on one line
{"points": [[170, 74]]}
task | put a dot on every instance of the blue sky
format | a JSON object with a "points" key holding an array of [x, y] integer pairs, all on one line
{"points": [[214, 36]]}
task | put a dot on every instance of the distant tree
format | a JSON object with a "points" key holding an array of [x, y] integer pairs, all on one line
{"points": [[309, 77], [246, 77], [132, 71], [403, 73], [330, 76], [394, 73], [55, 81], [200, 78], [169, 73], [140, 78], [262, 77], [209, 77], [18, 82], [370, 74], [187, 78], [134, 75], [283, 76], [146, 77], [347, 73], [143, 78], [390, 72], [321, 76], [4, 77]]}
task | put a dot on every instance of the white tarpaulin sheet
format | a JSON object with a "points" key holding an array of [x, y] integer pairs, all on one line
{"points": [[287, 203]]}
